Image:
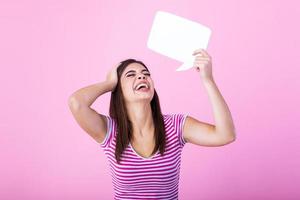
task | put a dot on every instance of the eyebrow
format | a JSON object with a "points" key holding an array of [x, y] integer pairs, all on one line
{"points": [[134, 71]]}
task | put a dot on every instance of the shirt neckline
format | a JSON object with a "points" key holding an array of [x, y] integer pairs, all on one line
{"points": [[144, 158]]}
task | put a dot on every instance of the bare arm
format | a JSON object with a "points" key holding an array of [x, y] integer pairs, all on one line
{"points": [[87, 95], [224, 126], [80, 101], [206, 134]]}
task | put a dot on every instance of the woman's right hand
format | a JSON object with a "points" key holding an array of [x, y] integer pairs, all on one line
{"points": [[112, 77]]}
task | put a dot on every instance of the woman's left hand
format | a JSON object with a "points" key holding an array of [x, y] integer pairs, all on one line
{"points": [[203, 64]]}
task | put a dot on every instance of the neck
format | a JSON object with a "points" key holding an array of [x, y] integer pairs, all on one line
{"points": [[140, 115]]}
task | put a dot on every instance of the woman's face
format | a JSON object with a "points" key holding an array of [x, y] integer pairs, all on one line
{"points": [[136, 83]]}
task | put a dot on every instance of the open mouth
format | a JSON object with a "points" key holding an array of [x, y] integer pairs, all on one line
{"points": [[143, 87]]}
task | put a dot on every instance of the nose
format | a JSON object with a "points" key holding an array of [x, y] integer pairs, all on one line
{"points": [[141, 76]]}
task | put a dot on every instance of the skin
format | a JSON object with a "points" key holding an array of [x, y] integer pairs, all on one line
{"points": [[138, 105], [202, 133], [194, 131], [139, 110]]}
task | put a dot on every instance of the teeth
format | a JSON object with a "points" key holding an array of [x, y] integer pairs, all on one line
{"points": [[142, 84]]}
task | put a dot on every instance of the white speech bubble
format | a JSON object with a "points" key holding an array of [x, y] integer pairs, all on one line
{"points": [[177, 38]]}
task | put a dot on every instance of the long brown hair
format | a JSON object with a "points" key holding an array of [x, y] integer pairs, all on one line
{"points": [[118, 112]]}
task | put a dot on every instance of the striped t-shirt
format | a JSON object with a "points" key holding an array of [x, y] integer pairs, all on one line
{"points": [[137, 177]]}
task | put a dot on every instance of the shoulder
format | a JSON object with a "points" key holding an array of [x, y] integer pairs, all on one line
{"points": [[175, 117], [110, 133], [176, 121]]}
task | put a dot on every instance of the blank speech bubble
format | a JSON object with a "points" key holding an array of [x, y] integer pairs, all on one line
{"points": [[177, 38]]}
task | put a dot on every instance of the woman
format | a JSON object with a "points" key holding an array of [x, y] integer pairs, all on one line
{"points": [[143, 146]]}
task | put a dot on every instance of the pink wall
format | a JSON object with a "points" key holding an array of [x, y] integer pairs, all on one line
{"points": [[51, 48]]}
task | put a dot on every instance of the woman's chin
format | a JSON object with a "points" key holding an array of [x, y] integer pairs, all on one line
{"points": [[143, 97]]}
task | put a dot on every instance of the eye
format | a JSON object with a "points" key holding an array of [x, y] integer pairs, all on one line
{"points": [[147, 74], [130, 75]]}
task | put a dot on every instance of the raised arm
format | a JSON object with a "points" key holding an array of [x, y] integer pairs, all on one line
{"points": [[80, 101], [202, 133]]}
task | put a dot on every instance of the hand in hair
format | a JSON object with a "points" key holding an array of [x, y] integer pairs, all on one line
{"points": [[112, 77]]}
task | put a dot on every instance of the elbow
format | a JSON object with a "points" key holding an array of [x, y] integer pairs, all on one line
{"points": [[73, 103], [229, 138], [232, 135], [232, 138]]}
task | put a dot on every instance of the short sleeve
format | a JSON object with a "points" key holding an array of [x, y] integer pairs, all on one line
{"points": [[110, 124], [179, 120]]}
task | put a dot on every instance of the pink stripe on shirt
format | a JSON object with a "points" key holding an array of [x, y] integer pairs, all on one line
{"points": [[156, 177]]}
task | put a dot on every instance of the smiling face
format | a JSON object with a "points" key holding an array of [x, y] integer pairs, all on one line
{"points": [[136, 83]]}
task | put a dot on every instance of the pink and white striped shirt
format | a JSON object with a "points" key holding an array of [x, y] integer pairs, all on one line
{"points": [[156, 177]]}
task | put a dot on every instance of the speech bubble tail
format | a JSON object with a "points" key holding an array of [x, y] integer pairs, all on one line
{"points": [[184, 66]]}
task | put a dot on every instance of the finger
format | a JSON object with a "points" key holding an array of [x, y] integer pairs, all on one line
{"points": [[202, 58], [199, 65], [201, 51], [204, 52], [201, 62], [197, 51]]}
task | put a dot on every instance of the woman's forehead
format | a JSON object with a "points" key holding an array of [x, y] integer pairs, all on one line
{"points": [[134, 67]]}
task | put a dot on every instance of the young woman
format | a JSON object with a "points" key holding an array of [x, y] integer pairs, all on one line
{"points": [[143, 146]]}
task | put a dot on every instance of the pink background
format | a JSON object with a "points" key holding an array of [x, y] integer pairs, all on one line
{"points": [[49, 49]]}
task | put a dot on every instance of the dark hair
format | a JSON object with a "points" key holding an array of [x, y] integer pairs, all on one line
{"points": [[118, 112]]}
